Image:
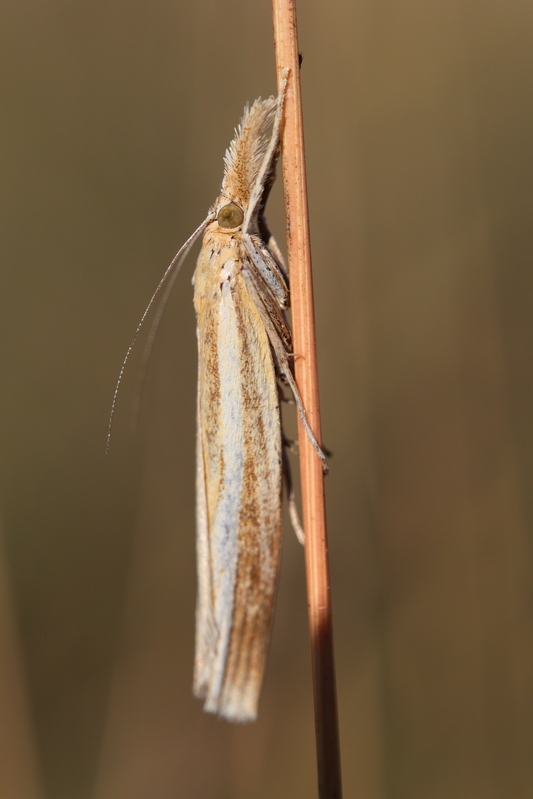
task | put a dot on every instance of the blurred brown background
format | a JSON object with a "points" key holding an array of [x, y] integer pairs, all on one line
{"points": [[419, 121]]}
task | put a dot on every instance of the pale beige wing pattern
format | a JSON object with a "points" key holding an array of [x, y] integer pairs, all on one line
{"points": [[239, 476]]}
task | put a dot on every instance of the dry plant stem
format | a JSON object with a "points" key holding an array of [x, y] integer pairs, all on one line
{"points": [[312, 477]]}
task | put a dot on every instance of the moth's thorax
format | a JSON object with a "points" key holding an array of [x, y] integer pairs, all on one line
{"points": [[221, 261]]}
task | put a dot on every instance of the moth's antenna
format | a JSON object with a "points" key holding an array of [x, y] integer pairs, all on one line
{"points": [[175, 265], [150, 339]]}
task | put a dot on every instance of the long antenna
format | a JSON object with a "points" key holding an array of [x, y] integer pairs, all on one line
{"points": [[175, 265]]}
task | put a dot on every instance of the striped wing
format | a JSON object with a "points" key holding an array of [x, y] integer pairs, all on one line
{"points": [[238, 489]]}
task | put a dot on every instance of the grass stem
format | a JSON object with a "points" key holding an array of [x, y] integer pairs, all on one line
{"points": [[312, 477]]}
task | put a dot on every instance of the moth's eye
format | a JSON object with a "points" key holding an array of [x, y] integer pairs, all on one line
{"points": [[230, 216]]}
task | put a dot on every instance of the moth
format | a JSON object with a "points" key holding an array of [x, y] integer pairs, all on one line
{"points": [[241, 290]]}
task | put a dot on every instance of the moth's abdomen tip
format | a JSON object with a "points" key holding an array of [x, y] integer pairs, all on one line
{"points": [[236, 712], [238, 715]]}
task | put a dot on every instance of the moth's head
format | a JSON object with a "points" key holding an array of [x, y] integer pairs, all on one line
{"points": [[229, 216]]}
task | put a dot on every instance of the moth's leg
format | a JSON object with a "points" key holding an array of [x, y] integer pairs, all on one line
{"points": [[293, 510], [287, 374], [269, 316], [289, 401], [271, 271], [272, 245]]}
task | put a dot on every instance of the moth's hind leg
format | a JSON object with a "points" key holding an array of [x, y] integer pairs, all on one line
{"points": [[287, 476], [275, 327], [287, 376], [286, 445]]}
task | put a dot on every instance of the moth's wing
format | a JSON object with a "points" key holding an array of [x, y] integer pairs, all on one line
{"points": [[206, 628], [240, 480]]}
